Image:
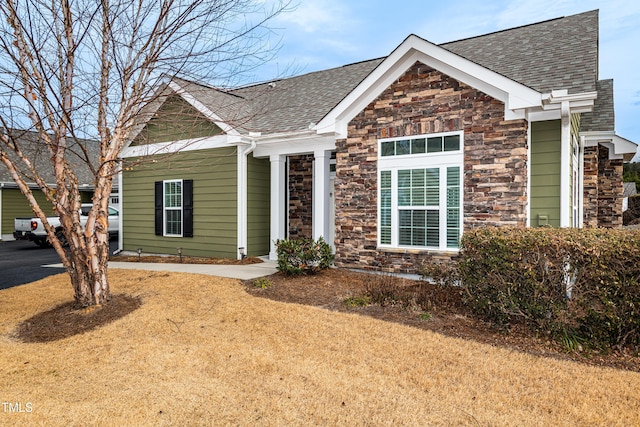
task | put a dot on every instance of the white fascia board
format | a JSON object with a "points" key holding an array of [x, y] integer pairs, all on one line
{"points": [[217, 141], [516, 97], [203, 109], [293, 144], [619, 148]]}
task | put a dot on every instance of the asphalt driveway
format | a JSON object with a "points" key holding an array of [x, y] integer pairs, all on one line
{"points": [[23, 262]]}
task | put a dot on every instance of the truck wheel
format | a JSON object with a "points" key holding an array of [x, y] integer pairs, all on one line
{"points": [[62, 239], [42, 243]]}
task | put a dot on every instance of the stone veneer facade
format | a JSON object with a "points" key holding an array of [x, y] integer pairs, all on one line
{"points": [[425, 101], [300, 174], [603, 189]]}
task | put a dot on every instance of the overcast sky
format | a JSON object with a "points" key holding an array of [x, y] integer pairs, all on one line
{"points": [[322, 34]]}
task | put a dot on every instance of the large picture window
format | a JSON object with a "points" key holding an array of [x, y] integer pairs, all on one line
{"points": [[174, 208], [420, 192]]}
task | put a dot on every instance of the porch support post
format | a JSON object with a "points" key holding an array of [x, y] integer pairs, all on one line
{"points": [[321, 181], [278, 200], [565, 166]]}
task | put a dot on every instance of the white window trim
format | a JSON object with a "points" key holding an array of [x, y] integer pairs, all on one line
{"points": [[165, 208], [441, 160]]}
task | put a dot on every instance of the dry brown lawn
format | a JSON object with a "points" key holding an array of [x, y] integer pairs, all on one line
{"points": [[202, 351]]}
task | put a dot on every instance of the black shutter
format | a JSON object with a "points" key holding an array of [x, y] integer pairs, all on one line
{"points": [[187, 207], [158, 206]]}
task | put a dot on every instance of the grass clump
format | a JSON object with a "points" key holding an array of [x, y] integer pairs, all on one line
{"points": [[262, 283], [357, 301]]}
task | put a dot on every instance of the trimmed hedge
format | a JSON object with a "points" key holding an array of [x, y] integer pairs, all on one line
{"points": [[303, 256], [581, 285]]}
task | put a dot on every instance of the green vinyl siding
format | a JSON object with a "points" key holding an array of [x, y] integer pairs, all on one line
{"points": [[258, 206], [15, 205], [214, 175], [545, 172], [176, 120]]}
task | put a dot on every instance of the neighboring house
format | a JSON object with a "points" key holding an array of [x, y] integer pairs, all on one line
{"points": [[390, 160], [629, 191], [13, 204]]}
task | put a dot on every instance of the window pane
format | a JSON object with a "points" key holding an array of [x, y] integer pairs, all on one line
{"points": [[404, 179], [388, 148], [174, 222], [385, 179], [385, 235], [433, 228], [432, 187], [385, 207], [402, 147], [385, 217], [453, 176], [418, 146], [404, 216], [417, 196], [434, 145], [173, 194], [417, 178], [452, 143]]}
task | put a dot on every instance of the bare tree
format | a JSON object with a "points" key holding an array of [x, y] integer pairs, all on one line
{"points": [[80, 72]]}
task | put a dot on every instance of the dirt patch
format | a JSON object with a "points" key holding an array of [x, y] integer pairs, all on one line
{"points": [[348, 291], [66, 320], [184, 260]]}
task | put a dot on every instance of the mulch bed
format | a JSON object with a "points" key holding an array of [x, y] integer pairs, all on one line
{"points": [[334, 289], [66, 320]]}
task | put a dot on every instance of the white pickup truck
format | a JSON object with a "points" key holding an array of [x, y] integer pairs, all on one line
{"points": [[32, 228]]}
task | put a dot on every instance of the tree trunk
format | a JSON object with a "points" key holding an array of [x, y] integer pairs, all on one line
{"points": [[89, 276]]}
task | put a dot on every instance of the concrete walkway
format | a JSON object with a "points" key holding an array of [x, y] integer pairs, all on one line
{"points": [[242, 272]]}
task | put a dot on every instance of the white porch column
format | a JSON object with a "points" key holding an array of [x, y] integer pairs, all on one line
{"points": [[278, 200], [565, 166], [321, 194]]}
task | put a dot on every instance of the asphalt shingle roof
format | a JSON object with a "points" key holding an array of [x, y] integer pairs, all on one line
{"points": [[38, 154], [602, 118], [557, 54], [560, 53]]}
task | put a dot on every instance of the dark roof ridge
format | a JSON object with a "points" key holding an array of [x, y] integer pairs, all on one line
{"points": [[280, 79], [210, 87], [518, 27]]}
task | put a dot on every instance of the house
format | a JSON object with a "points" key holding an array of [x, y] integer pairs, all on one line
{"points": [[13, 204], [390, 160], [629, 190]]}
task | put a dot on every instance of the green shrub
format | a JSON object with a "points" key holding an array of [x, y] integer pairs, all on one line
{"points": [[357, 301], [578, 283], [262, 283], [303, 256]]}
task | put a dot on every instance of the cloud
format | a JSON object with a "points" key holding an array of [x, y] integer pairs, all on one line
{"points": [[312, 16]]}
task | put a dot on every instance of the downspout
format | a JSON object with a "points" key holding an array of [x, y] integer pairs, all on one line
{"points": [[581, 182], [1, 188], [565, 166], [529, 153], [120, 206], [242, 225]]}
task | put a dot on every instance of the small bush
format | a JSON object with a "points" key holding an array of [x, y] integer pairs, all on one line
{"points": [[358, 301], [262, 283], [384, 289], [303, 256]]}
